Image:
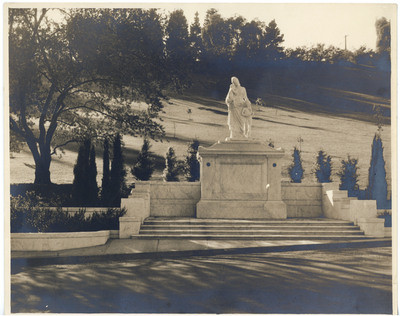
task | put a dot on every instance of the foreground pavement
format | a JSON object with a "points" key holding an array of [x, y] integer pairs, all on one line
{"points": [[312, 281]]}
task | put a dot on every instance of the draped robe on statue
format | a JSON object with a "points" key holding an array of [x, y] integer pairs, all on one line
{"points": [[239, 111]]}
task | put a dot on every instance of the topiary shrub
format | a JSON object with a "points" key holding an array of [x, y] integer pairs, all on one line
{"points": [[377, 184], [324, 167], [105, 182], [172, 167], [118, 187], [296, 170], [192, 165], [349, 177], [85, 188], [144, 167]]}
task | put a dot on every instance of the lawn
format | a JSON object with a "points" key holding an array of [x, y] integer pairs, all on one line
{"points": [[338, 135]]}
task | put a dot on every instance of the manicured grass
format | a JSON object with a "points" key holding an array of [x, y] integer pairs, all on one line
{"points": [[336, 135]]}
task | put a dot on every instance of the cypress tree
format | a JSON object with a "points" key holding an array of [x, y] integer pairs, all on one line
{"points": [[143, 169], [192, 167], [171, 170], [324, 167], [296, 170], [105, 182], [93, 189], [377, 185], [117, 174], [349, 177], [81, 175]]}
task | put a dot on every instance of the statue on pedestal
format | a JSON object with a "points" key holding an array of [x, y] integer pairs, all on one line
{"points": [[239, 111]]}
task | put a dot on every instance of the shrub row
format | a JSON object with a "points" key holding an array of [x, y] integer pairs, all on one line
{"points": [[36, 219], [377, 188], [190, 167]]}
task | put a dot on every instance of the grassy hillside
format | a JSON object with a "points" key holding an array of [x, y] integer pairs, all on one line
{"points": [[282, 124], [347, 90]]}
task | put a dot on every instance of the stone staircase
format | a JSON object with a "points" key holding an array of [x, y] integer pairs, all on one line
{"points": [[290, 229]]}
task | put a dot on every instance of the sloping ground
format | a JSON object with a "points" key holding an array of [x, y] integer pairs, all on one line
{"points": [[308, 105], [346, 89], [284, 126]]}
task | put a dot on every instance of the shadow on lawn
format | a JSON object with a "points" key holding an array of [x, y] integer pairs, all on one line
{"points": [[252, 283]]}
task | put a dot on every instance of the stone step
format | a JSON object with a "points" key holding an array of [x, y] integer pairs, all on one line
{"points": [[289, 222], [245, 232], [250, 237], [245, 227]]}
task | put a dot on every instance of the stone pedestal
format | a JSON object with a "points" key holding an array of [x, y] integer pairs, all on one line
{"points": [[240, 179]]}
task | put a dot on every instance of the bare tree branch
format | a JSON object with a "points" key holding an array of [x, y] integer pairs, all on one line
{"points": [[54, 151]]}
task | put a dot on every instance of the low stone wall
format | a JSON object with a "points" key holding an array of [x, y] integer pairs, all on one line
{"points": [[179, 199], [57, 241], [157, 198], [174, 198], [302, 200]]}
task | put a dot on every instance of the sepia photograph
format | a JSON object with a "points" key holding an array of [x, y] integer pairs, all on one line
{"points": [[217, 158]]}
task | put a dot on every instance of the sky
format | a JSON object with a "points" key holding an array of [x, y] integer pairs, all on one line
{"points": [[309, 24], [302, 24]]}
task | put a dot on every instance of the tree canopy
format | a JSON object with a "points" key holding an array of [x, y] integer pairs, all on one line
{"points": [[77, 78]]}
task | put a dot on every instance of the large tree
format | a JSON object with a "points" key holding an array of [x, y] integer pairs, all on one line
{"points": [[76, 77], [216, 35], [250, 44], [382, 26], [179, 53], [195, 38], [273, 40]]}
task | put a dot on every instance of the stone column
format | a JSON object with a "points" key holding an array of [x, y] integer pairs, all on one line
{"points": [[240, 179]]}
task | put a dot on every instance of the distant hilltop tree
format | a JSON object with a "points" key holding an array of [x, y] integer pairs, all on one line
{"points": [[179, 53], [195, 38], [383, 38]]}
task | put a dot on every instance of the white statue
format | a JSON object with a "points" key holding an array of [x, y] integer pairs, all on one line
{"points": [[239, 111]]}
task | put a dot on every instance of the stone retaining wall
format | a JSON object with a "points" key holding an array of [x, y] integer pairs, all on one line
{"points": [[302, 200], [58, 241], [157, 198], [179, 199], [174, 198]]}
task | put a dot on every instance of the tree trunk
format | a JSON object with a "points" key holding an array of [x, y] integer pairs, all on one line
{"points": [[42, 170]]}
